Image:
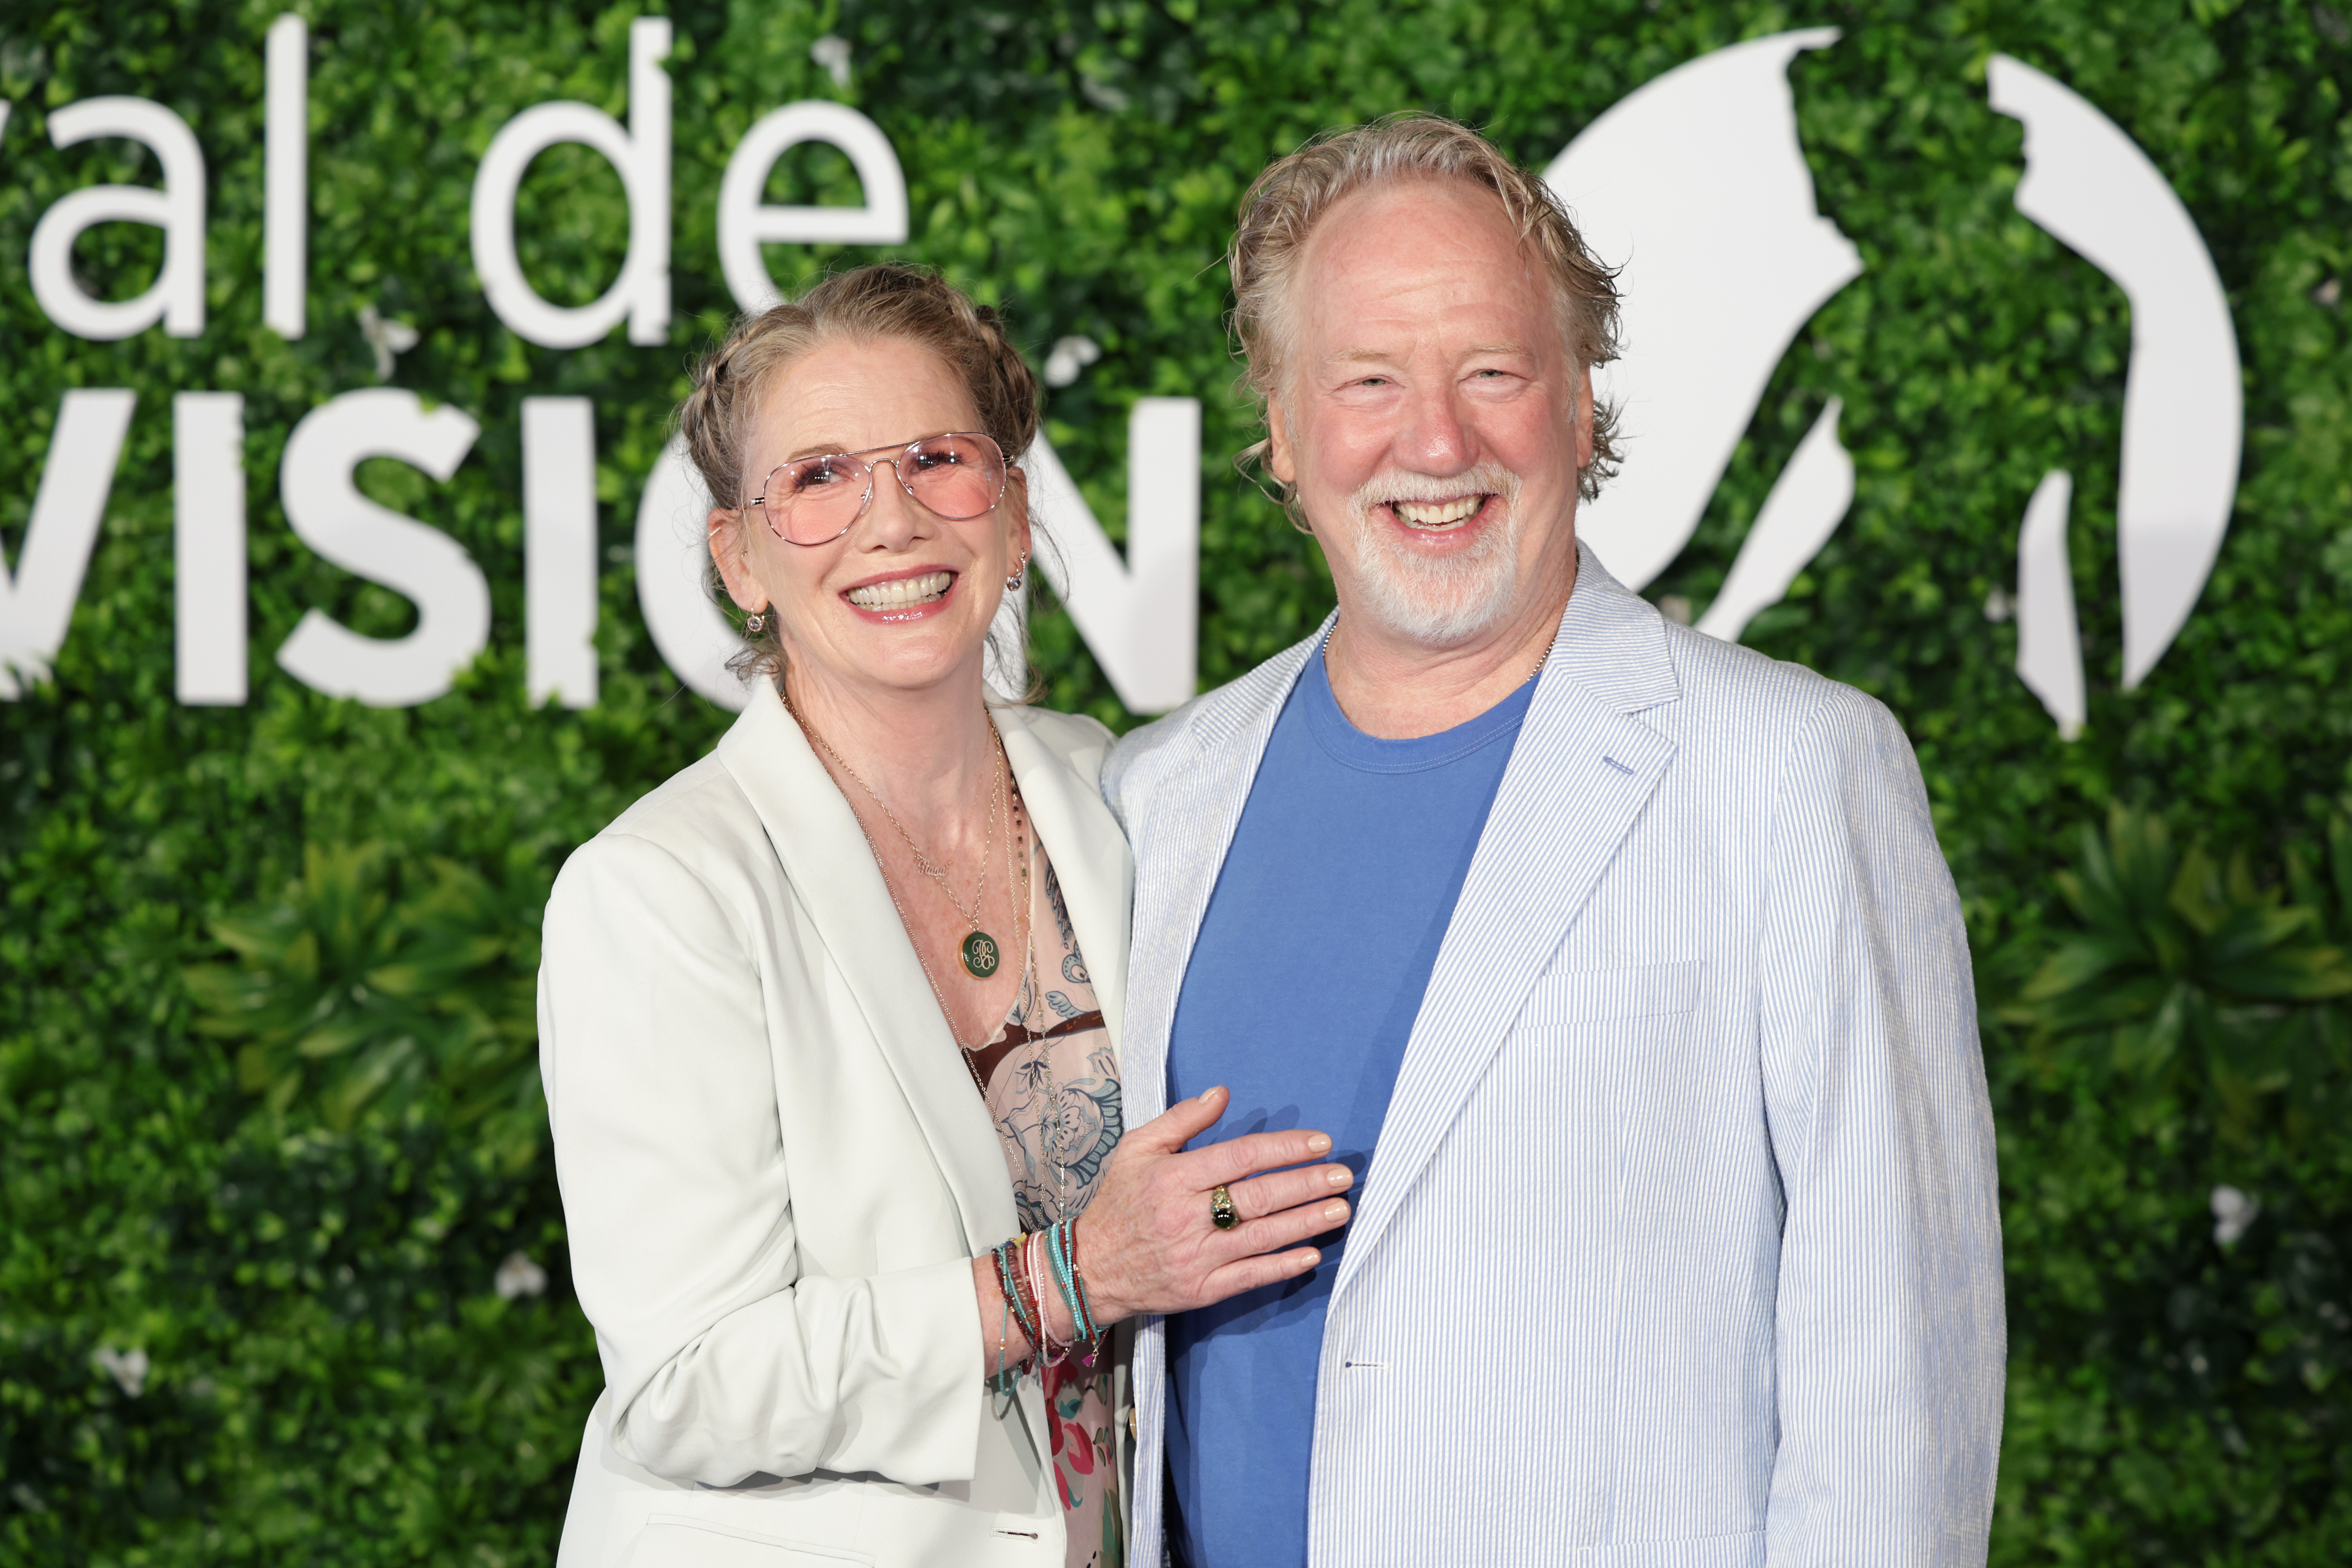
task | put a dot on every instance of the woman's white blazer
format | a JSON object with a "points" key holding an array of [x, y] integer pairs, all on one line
{"points": [[776, 1171]]}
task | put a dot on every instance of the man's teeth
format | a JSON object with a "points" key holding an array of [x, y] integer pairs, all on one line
{"points": [[1437, 514], [924, 590]]}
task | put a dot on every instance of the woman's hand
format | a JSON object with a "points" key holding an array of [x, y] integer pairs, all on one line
{"points": [[1147, 1243]]}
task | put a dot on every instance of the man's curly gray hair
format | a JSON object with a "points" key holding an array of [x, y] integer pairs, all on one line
{"points": [[1283, 203]]}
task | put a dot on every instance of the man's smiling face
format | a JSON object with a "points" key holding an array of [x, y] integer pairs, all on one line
{"points": [[1430, 414]]}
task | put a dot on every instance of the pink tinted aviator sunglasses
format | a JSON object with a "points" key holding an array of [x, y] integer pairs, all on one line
{"points": [[815, 500]]}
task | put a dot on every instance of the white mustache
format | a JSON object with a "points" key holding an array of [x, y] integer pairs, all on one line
{"points": [[1483, 478]]}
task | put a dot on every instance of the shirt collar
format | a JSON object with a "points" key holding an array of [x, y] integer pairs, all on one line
{"points": [[1613, 642]]}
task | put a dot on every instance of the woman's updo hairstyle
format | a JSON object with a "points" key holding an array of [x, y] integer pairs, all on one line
{"points": [[885, 301]]}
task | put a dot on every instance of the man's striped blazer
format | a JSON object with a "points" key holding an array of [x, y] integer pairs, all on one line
{"points": [[1680, 1244]]}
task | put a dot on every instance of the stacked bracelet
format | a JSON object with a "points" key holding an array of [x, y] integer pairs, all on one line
{"points": [[1061, 1240], [1001, 1382], [1024, 1267], [1038, 1277], [1095, 1331], [1021, 1302]]}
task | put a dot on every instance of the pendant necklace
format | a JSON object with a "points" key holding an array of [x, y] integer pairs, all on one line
{"points": [[1021, 922], [980, 953]]}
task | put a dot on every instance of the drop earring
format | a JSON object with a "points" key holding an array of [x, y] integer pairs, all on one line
{"points": [[757, 621], [1019, 575]]}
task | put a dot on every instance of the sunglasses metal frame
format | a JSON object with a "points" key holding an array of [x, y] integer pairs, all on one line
{"points": [[866, 502]]}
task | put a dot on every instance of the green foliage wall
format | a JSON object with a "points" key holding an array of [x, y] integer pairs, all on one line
{"points": [[304, 1248]]}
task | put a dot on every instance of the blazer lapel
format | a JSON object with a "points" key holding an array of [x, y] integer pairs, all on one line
{"points": [[1580, 776], [1090, 856], [832, 870], [1180, 850]]}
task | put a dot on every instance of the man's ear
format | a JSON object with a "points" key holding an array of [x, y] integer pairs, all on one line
{"points": [[1280, 461], [1584, 419], [725, 531]]}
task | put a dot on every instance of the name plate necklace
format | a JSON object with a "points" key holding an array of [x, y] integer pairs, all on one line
{"points": [[981, 954]]}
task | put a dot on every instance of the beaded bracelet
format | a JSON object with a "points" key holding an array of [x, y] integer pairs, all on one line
{"points": [[1024, 1280], [1061, 1250], [1085, 1298], [1000, 1383], [1095, 1334], [996, 1256], [1057, 1254], [1008, 1280], [1041, 1265]]}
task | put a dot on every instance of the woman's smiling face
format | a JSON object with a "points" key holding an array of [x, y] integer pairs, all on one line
{"points": [[905, 598]]}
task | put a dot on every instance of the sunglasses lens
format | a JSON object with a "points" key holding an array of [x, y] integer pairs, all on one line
{"points": [[956, 477], [814, 499]]}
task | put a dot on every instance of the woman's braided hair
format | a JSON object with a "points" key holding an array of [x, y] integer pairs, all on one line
{"points": [[888, 301]]}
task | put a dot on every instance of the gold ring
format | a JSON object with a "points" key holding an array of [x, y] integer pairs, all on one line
{"points": [[1221, 1208]]}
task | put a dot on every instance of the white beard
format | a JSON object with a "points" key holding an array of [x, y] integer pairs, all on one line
{"points": [[1438, 601]]}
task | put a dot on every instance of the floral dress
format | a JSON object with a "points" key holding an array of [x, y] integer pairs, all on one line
{"points": [[1052, 1088]]}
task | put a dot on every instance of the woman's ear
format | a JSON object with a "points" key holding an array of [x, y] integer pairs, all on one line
{"points": [[726, 534], [1017, 494]]}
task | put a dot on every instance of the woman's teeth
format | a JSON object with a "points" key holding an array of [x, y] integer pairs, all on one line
{"points": [[897, 595], [1437, 514]]}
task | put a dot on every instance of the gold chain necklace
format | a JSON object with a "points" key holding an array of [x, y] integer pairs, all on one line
{"points": [[932, 869], [981, 955], [1016, 848], [1028, 1001], [1021, 934]]}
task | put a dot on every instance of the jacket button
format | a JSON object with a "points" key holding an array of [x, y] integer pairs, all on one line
{"points": [[1131, 1435]]}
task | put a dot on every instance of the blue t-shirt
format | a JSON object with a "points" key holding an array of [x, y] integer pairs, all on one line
{"points": [[1301, 992]]}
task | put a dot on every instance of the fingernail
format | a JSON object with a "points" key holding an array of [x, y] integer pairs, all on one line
{"points": [[1340, 1176], [1335, 1211], [1317, 1144], [1307, 1260]]}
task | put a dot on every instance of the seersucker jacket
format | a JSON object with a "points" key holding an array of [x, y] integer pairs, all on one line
{"points": [[776, 1172], [1680, 1246]]}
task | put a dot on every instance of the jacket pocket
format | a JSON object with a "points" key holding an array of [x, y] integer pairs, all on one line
{"points": [[1744, 1549], [1592, 995], [678, 1541]]}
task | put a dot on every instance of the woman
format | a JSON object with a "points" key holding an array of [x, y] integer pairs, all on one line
{"points": [[829, 1022]]}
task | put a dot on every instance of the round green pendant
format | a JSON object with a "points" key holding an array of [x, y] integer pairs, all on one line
{"points": [[980, 954]]}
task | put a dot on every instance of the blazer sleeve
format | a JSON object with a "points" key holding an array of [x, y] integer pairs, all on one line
{"points": [[723, 1362], [1890, 1342]]}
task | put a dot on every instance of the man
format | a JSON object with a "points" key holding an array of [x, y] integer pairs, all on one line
{"points": [[1619, 963]]}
